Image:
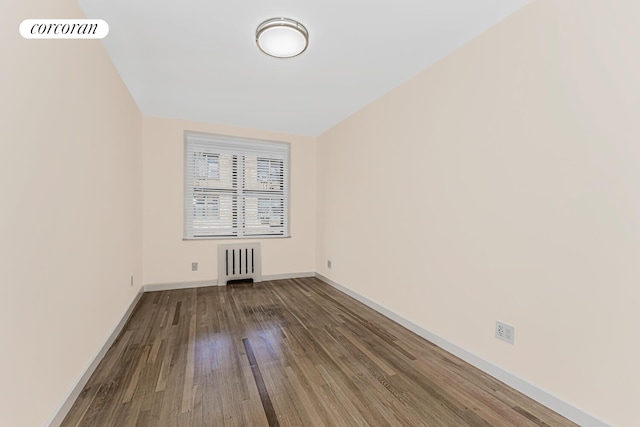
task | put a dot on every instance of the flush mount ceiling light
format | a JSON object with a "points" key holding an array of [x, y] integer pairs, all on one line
{"points": [[282, 37]]}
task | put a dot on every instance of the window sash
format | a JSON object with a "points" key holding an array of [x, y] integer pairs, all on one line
{"points": [[235, 187]]}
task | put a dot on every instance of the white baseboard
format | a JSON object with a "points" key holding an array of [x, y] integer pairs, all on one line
{"points": [[536, 393], [70, 399], [288, 276], [154, 287]]}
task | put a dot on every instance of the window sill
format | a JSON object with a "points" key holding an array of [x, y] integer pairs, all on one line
{"points": [[189, 239]]}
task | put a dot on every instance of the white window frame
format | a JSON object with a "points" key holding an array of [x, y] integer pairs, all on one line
{"points": [[241, 186]]}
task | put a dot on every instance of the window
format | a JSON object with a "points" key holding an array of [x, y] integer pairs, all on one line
{"points": [[208, 165], [235, 187]]}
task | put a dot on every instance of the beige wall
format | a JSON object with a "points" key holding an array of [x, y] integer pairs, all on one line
{"points": [[502, 184], [168, 258], [71, 216]]}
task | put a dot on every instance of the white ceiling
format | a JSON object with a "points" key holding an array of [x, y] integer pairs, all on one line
{"points": [[197, 59]]}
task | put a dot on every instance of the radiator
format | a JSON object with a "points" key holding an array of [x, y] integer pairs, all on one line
{"points": [[239, 261]]}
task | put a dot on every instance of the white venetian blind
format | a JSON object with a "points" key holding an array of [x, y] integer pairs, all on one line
{"points": [[235, 187]]}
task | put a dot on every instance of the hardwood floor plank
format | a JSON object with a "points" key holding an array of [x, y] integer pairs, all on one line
{"points": [[188, 390], [272, 417], [366, 353], [292, 352], [133, 382]]}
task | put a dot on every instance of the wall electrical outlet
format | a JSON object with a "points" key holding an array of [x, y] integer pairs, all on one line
{"points": [[506, 333], [328, 263], [194, 266]]}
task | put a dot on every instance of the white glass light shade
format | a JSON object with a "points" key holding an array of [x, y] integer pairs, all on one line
{"points": [[282, 37]]}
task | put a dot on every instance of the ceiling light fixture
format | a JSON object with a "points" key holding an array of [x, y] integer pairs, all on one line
{"points": [[282, 37]]}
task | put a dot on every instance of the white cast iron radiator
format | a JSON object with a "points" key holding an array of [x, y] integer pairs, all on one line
{"points": [[239, 261]]}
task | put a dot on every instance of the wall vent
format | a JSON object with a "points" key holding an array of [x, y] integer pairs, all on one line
{"points": [[238, 262]]}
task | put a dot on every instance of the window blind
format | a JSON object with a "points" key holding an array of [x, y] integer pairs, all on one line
{"points": [[235, 187]]}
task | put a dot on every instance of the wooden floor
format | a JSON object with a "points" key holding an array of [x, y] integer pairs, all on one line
{"points": [[286, 353]]}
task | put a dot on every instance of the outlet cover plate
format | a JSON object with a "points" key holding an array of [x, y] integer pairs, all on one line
{"points": [[506, 333]]}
